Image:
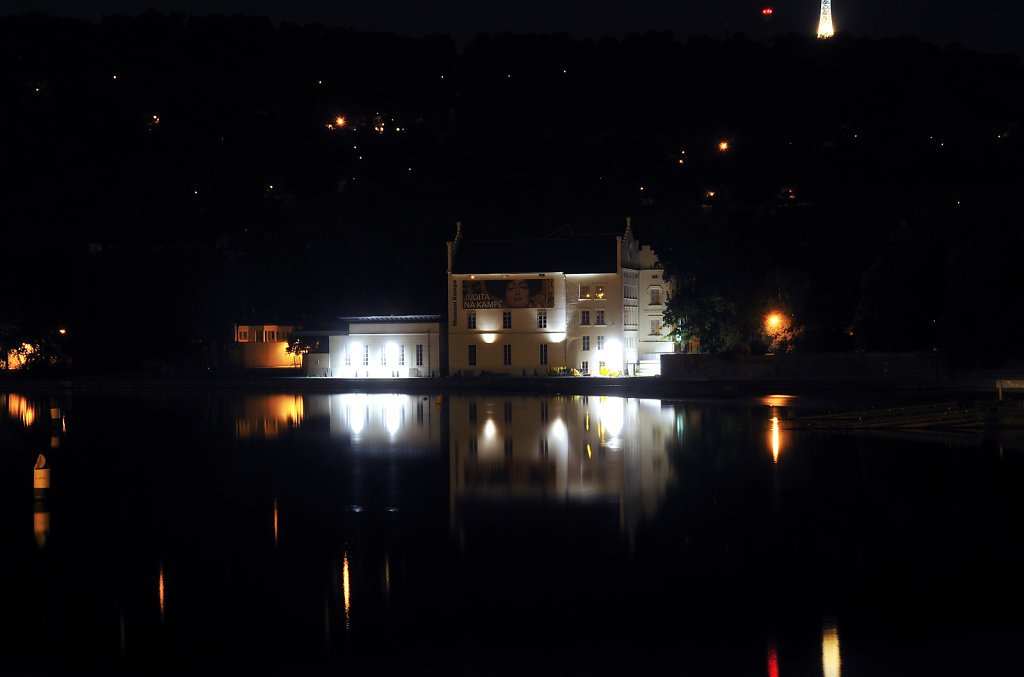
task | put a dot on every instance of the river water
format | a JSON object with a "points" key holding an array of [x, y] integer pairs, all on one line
{"points": [[351, 533]]}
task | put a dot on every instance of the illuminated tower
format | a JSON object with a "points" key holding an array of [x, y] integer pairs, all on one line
{"points": [[825, 21]]}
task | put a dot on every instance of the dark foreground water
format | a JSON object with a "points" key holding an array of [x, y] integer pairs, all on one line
{"points": [[206, 533]]}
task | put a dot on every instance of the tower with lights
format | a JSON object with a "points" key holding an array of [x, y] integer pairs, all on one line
{"points": [[825, 20]]}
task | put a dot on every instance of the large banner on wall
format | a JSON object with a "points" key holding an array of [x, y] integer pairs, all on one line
{"points": [[513, 292]]}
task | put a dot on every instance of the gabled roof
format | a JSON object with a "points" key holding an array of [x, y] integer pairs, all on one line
{"points": [[576, 254]]}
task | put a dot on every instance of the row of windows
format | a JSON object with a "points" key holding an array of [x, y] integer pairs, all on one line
{"points": [[383, 356], [269, 336], [506, 319], [506, 353]]}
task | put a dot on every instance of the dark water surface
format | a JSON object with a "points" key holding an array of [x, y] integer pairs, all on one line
{"points": [[198, 532]]}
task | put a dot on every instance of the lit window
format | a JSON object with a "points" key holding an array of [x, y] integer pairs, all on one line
{"points": [[507, 353], [600, 343], [584, 291], [542, 319], [655, 326], [506, 319], [584, 317], [419, 355], [243, 335], [601, 366], [471, 319], [544, 354], [472, 356], [600, 317], [586, 343], [599, 292], [655, 296]]}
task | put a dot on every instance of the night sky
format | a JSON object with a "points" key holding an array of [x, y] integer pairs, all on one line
{"points": [[984, 25]]}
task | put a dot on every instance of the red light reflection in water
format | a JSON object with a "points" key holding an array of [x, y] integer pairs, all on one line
{"points": [[773, 661]]}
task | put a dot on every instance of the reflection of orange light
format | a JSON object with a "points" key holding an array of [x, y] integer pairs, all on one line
{"points": [[773, 661], [345, 587], [775, 438], [275, 521], [160, 588], [19, 408]]}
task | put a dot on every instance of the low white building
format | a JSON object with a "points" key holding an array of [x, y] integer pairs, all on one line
{"points": [[385, 346], [534, 307]]}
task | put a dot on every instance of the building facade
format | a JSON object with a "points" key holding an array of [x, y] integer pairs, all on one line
{"points": [[537, 307], [388, 346]]}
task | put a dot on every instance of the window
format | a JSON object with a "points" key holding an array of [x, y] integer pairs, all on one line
{"points": [[383, 357], [584, 291], [348, 356], [584, 367], [506, 319], [600, 317], [601, 366], [471, 319], [544, 354], [507, 353], [600, 343], [243, 335], [599, 291], [269, 336], [542, 319], [586, 343], [419, 355], [584, 317], [366, 356], [401, 355], [655, 326], [472, 356], [655, 296]]}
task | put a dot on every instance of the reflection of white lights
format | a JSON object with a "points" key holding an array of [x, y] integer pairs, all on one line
{"points": [[558, 430], [610, 415], [490, 430], [488, 338], [830, 660], [393, 416], [357, 415]]}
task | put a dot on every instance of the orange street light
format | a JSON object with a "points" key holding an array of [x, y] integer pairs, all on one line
{"points": [[723, 146]]}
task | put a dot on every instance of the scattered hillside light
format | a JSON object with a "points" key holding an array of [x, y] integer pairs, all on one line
{"points": [[723, 145], [62, 331], [767, 11], [339, 121], [115, 77]]}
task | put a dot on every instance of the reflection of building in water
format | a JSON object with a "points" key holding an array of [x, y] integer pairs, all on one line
{"points": [[562, 448], [269, 415], [399, 422], [19, 408]]}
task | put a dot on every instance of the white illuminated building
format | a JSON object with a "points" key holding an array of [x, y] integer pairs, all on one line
{"points": [[386, 346], [592, 303]]}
